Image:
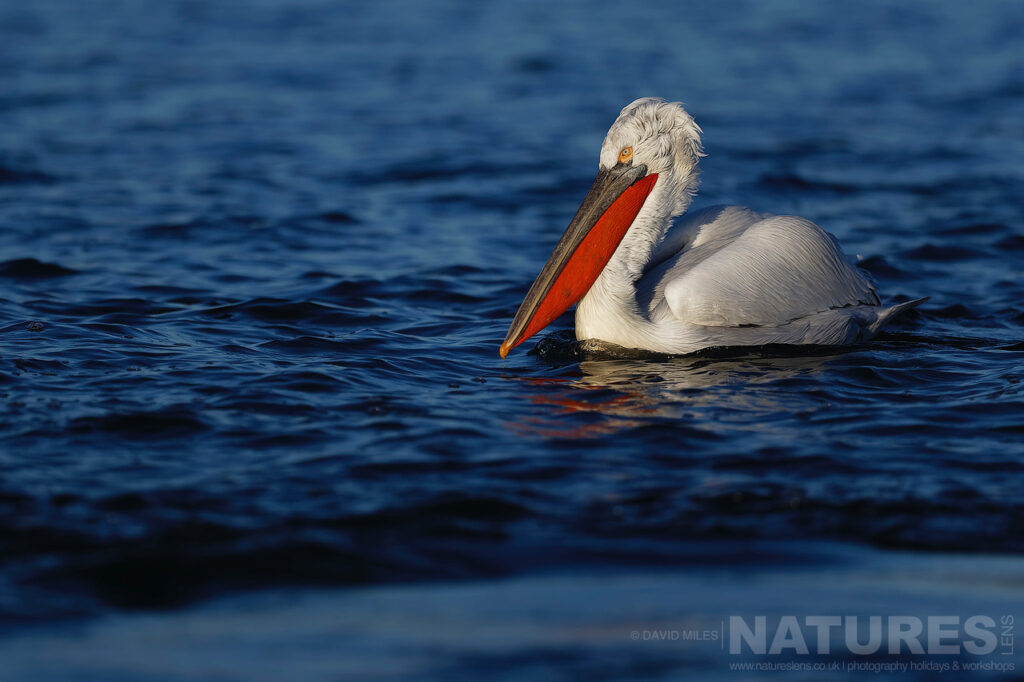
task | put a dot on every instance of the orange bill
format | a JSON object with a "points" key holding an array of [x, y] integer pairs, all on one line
{"points": [[601, 222]]}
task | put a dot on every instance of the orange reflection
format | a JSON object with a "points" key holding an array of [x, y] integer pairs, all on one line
{"points": [[625, 394]]}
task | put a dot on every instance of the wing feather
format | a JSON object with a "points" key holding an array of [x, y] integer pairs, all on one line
{"points": [[746, 269]]}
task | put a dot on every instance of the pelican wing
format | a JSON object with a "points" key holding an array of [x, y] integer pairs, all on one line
{"points": [[731, 267]]}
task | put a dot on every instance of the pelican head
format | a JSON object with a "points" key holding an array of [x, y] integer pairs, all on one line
{"points": [[649, 156], [664, 139]]}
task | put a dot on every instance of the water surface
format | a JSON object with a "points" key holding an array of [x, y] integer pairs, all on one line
{"points": [[257, 261]]}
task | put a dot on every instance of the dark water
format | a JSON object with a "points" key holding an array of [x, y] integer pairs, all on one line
{"points": [[257, 259]]}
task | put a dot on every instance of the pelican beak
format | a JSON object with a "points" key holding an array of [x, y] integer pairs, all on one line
{"points": [[599, 225]]}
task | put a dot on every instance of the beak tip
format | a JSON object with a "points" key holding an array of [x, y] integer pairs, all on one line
{"points": [[503, 351]]}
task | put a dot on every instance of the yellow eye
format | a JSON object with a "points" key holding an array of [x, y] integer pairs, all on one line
{"points": [[626, 154]]}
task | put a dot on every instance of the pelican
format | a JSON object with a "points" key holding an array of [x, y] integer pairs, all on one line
{"points": [[721, 276]]}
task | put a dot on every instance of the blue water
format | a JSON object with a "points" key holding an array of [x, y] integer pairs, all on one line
{"points": [[257, 260]]}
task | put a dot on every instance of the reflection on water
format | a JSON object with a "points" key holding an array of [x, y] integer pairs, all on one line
{"points": [[630, 392]]}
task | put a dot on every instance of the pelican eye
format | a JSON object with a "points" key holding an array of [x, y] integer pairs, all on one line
{"points": [[626, 154]]}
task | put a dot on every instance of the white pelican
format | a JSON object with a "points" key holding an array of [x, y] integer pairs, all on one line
{"points": [[722, 276]]}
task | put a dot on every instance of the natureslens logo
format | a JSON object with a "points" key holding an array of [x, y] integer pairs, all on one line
{"points": [[864, 643], [870, 636]]}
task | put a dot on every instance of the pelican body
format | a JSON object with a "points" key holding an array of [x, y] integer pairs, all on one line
{"points": [[721, 276]]}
